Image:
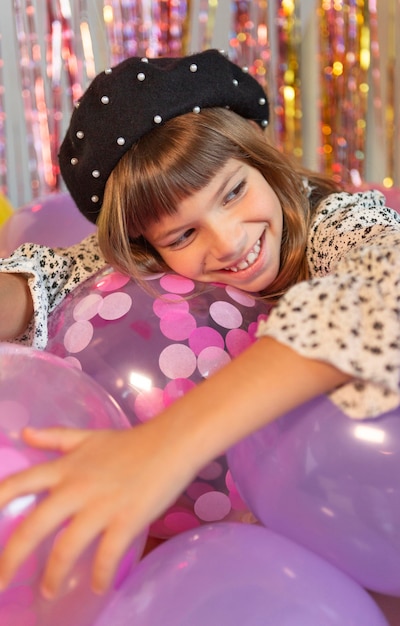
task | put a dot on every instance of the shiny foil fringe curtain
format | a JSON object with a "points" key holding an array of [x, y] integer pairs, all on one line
{"points": [[330, 69]]}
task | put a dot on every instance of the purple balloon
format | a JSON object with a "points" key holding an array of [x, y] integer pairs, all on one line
{"points": [[53, 220], [148, 349], [331, 484], [40, 390], [239, 575]]}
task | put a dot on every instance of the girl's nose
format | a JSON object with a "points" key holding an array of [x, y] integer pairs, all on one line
{"points": [[227, 242]]}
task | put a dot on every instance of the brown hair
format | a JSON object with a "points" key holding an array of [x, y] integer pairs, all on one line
{"points": [[170, 163]]}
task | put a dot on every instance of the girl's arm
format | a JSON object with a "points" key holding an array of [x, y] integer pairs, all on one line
{"points": [[16, 306], [52, 274], [114, 483]]}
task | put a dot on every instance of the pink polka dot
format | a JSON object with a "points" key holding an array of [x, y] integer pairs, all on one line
{"points": [[177, 361], [11, 461], [176, 284], [18, 616], [230, 483], [241, 297], [88, 307], [211, 471], [204, 337], [112, 282], [212, 506], [148, 404], [176, 389], [74, 362], [170, 302], [237, 340], [78, 336], [252, 329], [180, 521], [211, 360], [226, 314], [14, 415], [197, 489], [115, 306], [177, 325], [253, 326]]}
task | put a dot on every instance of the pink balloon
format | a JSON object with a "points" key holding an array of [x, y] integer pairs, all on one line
{"points": [[41, 390], [331, 484], [237, 575], [53, 221], [152, 351]]}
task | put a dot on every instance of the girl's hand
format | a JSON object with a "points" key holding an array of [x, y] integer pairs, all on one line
{"points": [[109, 484]]}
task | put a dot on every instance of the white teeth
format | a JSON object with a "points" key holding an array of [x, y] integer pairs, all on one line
{"points": [[249, 260]]}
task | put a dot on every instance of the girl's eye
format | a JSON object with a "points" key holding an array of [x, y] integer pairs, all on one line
{"points": [[182, 240], [236, 191]]}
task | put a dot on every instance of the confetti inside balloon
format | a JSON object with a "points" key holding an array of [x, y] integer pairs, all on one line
{"points": [[40, 390], [148, 350]]}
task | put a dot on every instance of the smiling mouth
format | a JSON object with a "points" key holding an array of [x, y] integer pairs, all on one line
{"points": [[249, 260]]}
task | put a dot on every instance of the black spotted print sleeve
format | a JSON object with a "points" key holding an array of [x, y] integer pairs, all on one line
{"points": [[51, 274], [348, 313]]}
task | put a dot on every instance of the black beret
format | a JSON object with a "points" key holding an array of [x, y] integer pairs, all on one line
{"points": [[126, 102]]}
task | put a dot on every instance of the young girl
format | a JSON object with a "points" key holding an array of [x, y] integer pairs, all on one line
{"points": [[169, 158]]}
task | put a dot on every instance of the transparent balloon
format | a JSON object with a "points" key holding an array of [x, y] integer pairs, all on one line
{"points": [[148, 348], [40, 390]]}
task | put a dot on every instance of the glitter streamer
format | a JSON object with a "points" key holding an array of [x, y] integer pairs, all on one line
{"points": [[345, 60], [376, 77], [261, 27], [206, 22], [288, 106], [145, 27], [249, 44], [357, 62], [34, 97], [392, 109]]}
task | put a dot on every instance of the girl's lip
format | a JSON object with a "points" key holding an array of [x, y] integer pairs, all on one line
{"points": [[247, 270]]}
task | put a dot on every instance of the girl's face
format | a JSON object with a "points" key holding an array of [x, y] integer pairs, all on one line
{"points": [[229, 232]]}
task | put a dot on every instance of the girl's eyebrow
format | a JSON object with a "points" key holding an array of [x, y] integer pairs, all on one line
{"points": [[216, 195], [226, 181]]}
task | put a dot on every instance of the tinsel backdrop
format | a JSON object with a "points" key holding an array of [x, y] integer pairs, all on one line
{"points": [[330, 69]]}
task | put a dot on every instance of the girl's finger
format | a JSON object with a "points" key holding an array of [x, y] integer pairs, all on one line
{"points": [[70, 543], [113, 545], [57, 439], [32, 480], [44, 519]]}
